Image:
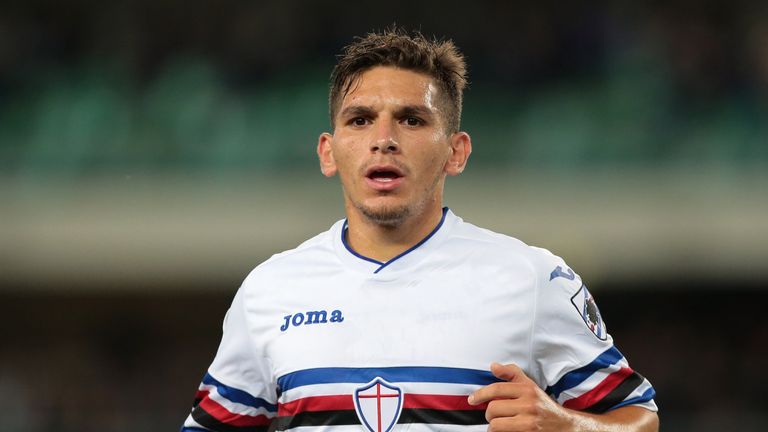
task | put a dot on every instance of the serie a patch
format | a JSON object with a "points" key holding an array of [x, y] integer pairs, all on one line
{"points": [[587, 308]]}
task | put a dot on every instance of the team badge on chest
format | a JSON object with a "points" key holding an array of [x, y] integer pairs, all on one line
{"points": [[378, 405]]}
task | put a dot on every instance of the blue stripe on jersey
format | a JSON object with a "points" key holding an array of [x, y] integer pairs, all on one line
{"points": [[193, 429], [237, 395], [578, 376], [645, 397], [391, 374]]}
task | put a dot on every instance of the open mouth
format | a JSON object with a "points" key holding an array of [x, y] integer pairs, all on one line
{"points": [[384, 178], [384, 174]]}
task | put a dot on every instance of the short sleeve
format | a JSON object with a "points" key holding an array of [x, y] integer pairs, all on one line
{"points": [[575, 358], [238, 391]]}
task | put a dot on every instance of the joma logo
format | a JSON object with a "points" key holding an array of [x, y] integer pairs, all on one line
{"points": [[311, 317]]}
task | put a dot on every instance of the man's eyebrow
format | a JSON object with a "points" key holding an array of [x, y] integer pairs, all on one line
{"points": [[358, 111], [421, 111], [414, 110]]}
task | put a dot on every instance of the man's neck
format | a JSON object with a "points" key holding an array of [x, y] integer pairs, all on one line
{"points": [[381, 242]]}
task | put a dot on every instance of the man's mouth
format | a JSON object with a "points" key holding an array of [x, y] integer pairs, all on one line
{"points": [[384, 173], [384, 177]]}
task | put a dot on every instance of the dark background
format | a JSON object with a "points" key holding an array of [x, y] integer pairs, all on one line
{"points": [[153, 152]]}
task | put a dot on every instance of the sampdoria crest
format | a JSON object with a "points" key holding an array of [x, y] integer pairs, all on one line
{"points": [[378, 405]]}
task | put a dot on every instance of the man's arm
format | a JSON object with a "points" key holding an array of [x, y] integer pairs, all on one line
{"points": [[237, 392], [518, 404]]}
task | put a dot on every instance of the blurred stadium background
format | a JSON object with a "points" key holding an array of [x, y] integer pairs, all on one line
{"points": [[153, 152]]}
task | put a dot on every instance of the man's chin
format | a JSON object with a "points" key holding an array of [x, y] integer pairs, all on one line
{"points": [[385, 215]]}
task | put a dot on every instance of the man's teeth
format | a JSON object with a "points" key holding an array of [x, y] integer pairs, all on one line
{"points": [[384, 179]]}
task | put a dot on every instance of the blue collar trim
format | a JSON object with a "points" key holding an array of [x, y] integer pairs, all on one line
{"points": [[384, 264]]}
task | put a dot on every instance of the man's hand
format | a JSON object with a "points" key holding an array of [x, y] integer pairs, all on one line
{"points": [[518, 404]]}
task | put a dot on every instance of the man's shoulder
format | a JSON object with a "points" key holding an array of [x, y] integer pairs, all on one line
{"points": [[318, 250], [504, 248], [496, 242]]}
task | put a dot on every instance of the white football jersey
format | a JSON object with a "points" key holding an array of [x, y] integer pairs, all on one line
{"points": [[322, 338]]}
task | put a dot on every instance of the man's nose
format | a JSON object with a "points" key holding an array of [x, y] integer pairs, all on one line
{"points": [[385, 140]]}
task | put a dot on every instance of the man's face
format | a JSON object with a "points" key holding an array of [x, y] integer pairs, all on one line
{"points": [[390, 146]]}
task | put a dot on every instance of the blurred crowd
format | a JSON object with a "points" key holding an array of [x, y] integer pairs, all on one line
{"points": [[708, 49], [90, 87]]}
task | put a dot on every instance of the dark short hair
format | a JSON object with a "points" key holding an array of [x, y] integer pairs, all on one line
{"points": [[439, 59]]}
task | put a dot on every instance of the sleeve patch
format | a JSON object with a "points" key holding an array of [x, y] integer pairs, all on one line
{"points": [[587, 308], [558, 272]]}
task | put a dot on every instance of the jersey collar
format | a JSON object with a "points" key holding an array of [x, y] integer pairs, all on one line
{"points": [[402, 261]]}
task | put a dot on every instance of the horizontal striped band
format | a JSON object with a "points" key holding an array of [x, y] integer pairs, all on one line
{"points": [[238, 396], [647, 396], [391, 374], [407, 416], [575, 377], [346, 402]]}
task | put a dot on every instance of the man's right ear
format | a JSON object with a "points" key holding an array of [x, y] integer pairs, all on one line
{"points": [[325, 154]]}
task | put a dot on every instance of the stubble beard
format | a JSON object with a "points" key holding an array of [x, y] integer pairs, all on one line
{"points": [[385, 216], [393, 216]]}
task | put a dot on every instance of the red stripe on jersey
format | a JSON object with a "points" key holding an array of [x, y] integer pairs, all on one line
{"points": [[593, 396], [316, 403], [440, 402], [346, 402], [225, 416]]}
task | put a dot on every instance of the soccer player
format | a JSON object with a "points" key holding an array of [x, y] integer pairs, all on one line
{"points": [[403, 317]]}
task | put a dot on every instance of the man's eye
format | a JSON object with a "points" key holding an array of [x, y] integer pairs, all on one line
{"points": [[412, 121], [359, 121]]}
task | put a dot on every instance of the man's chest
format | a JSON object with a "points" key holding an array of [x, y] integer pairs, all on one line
{"points": [[405, 351], [445, 320]]}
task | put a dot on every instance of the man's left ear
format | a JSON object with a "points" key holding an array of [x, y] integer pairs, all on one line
{"points": [[461, 147]]}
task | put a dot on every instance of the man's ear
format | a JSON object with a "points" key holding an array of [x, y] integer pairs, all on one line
{"points": [[325, 154], [461, 147]]}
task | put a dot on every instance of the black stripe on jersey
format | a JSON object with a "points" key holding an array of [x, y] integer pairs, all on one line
{"points": [[349, 417], [618, 394], [317, 418], [204, 419], [456, 417]]}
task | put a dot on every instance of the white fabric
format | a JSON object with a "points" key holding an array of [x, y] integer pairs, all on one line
{"points": [[464, 298]]}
